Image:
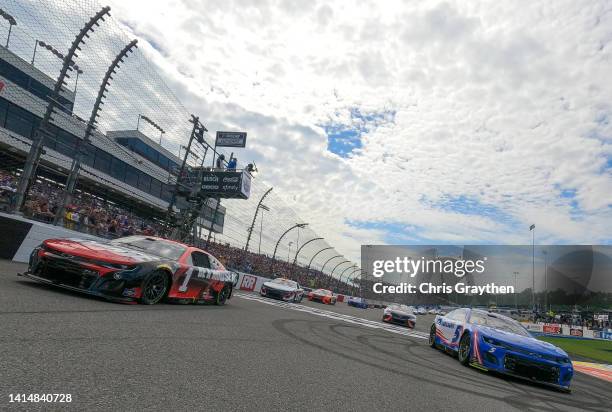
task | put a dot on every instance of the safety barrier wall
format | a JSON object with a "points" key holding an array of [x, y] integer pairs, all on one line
{"points": [[19, 236], [554, 329]]}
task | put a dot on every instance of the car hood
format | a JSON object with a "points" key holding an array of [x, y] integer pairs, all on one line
{"points": [[399, 312], [278, 286], [97, 250], [523, 342]]}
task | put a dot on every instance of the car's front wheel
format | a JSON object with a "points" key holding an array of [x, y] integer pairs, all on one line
{"points": [[154, 287], [464, 349]]}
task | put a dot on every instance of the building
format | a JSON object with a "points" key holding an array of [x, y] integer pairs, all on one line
{"points": [[124, 167]]}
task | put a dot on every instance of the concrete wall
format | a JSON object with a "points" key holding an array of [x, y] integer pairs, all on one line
{"points": [[22, 235]]}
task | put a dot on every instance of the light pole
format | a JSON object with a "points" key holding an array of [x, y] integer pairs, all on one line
{"points": [[343, 272], [267, 209], [348, 278], [515, 291], [259, 206], [11, 21], [302, 247], [532, 230], [60, 56], [315, 255], [545, 280], [329, 260], [331, 275], [289, 252], [300, 225], [360, 272], [152, 123]]}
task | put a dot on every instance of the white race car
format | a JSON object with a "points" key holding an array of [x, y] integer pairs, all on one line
{"points": [[421, 311], [399, 314], [284, 289]]}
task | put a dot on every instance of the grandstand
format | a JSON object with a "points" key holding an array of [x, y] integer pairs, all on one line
{"points": [[127, 178]]}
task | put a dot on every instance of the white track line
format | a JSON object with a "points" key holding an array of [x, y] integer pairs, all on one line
{"points": [[336, 316]]}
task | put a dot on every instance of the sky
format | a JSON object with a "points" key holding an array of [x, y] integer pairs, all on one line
{"points": [[433, 122], [410, 122]]}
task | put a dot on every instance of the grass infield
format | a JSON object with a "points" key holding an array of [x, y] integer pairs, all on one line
{"points": [[595, 350]]}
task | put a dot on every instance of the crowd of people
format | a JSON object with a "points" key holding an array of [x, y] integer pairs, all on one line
{"points": [[86, 213], [262, 265], [93, 215], [581, 319]]}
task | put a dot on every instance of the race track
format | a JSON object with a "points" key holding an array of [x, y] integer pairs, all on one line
{"points": [[248, 355]]}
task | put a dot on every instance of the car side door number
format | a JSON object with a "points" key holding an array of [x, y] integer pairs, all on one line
{"points": [[190, 272]]}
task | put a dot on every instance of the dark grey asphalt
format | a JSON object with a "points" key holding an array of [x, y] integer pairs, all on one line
{"points": [[244, 356]]}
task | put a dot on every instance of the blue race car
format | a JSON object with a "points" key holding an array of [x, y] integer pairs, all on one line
{"points": [[357, 302], [490, 341]]}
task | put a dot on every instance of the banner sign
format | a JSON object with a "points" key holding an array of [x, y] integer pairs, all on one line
{"points": [[533, 327], [226, 184], [551, 328], [576, 332], [231, 139], [605, 335], [601, 317], [248, 283]]}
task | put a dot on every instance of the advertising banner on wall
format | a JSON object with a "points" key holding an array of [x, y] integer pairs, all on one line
{"points": [[576, 332], [226, 184], [551, 328]]}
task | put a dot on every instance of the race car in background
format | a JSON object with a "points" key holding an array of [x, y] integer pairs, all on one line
{"points": [[357, 302], [490, 341], [283, 289], [420, 311], [399, 314], [322, 295], [132, 269]]}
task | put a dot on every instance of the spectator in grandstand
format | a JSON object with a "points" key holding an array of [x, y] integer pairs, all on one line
{"points": [[7, 190]]}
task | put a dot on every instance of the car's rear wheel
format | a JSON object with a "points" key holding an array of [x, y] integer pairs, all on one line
{"points": [[222, 296], [154, 287], [432, 336], [464, 349]]}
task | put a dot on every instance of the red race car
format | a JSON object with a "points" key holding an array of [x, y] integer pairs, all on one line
{"points": [[323, 296], [133, 269]]}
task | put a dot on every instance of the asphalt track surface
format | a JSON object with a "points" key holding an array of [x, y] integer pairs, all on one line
{"points": [[247, 355]]}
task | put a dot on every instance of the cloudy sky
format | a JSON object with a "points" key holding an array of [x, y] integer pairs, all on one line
{"points": [[402, 121], [406, 122]]}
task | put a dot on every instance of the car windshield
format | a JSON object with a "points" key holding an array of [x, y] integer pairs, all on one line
{"points": [[323, 292], [158, 247], [285, 282], [498, 322]]}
